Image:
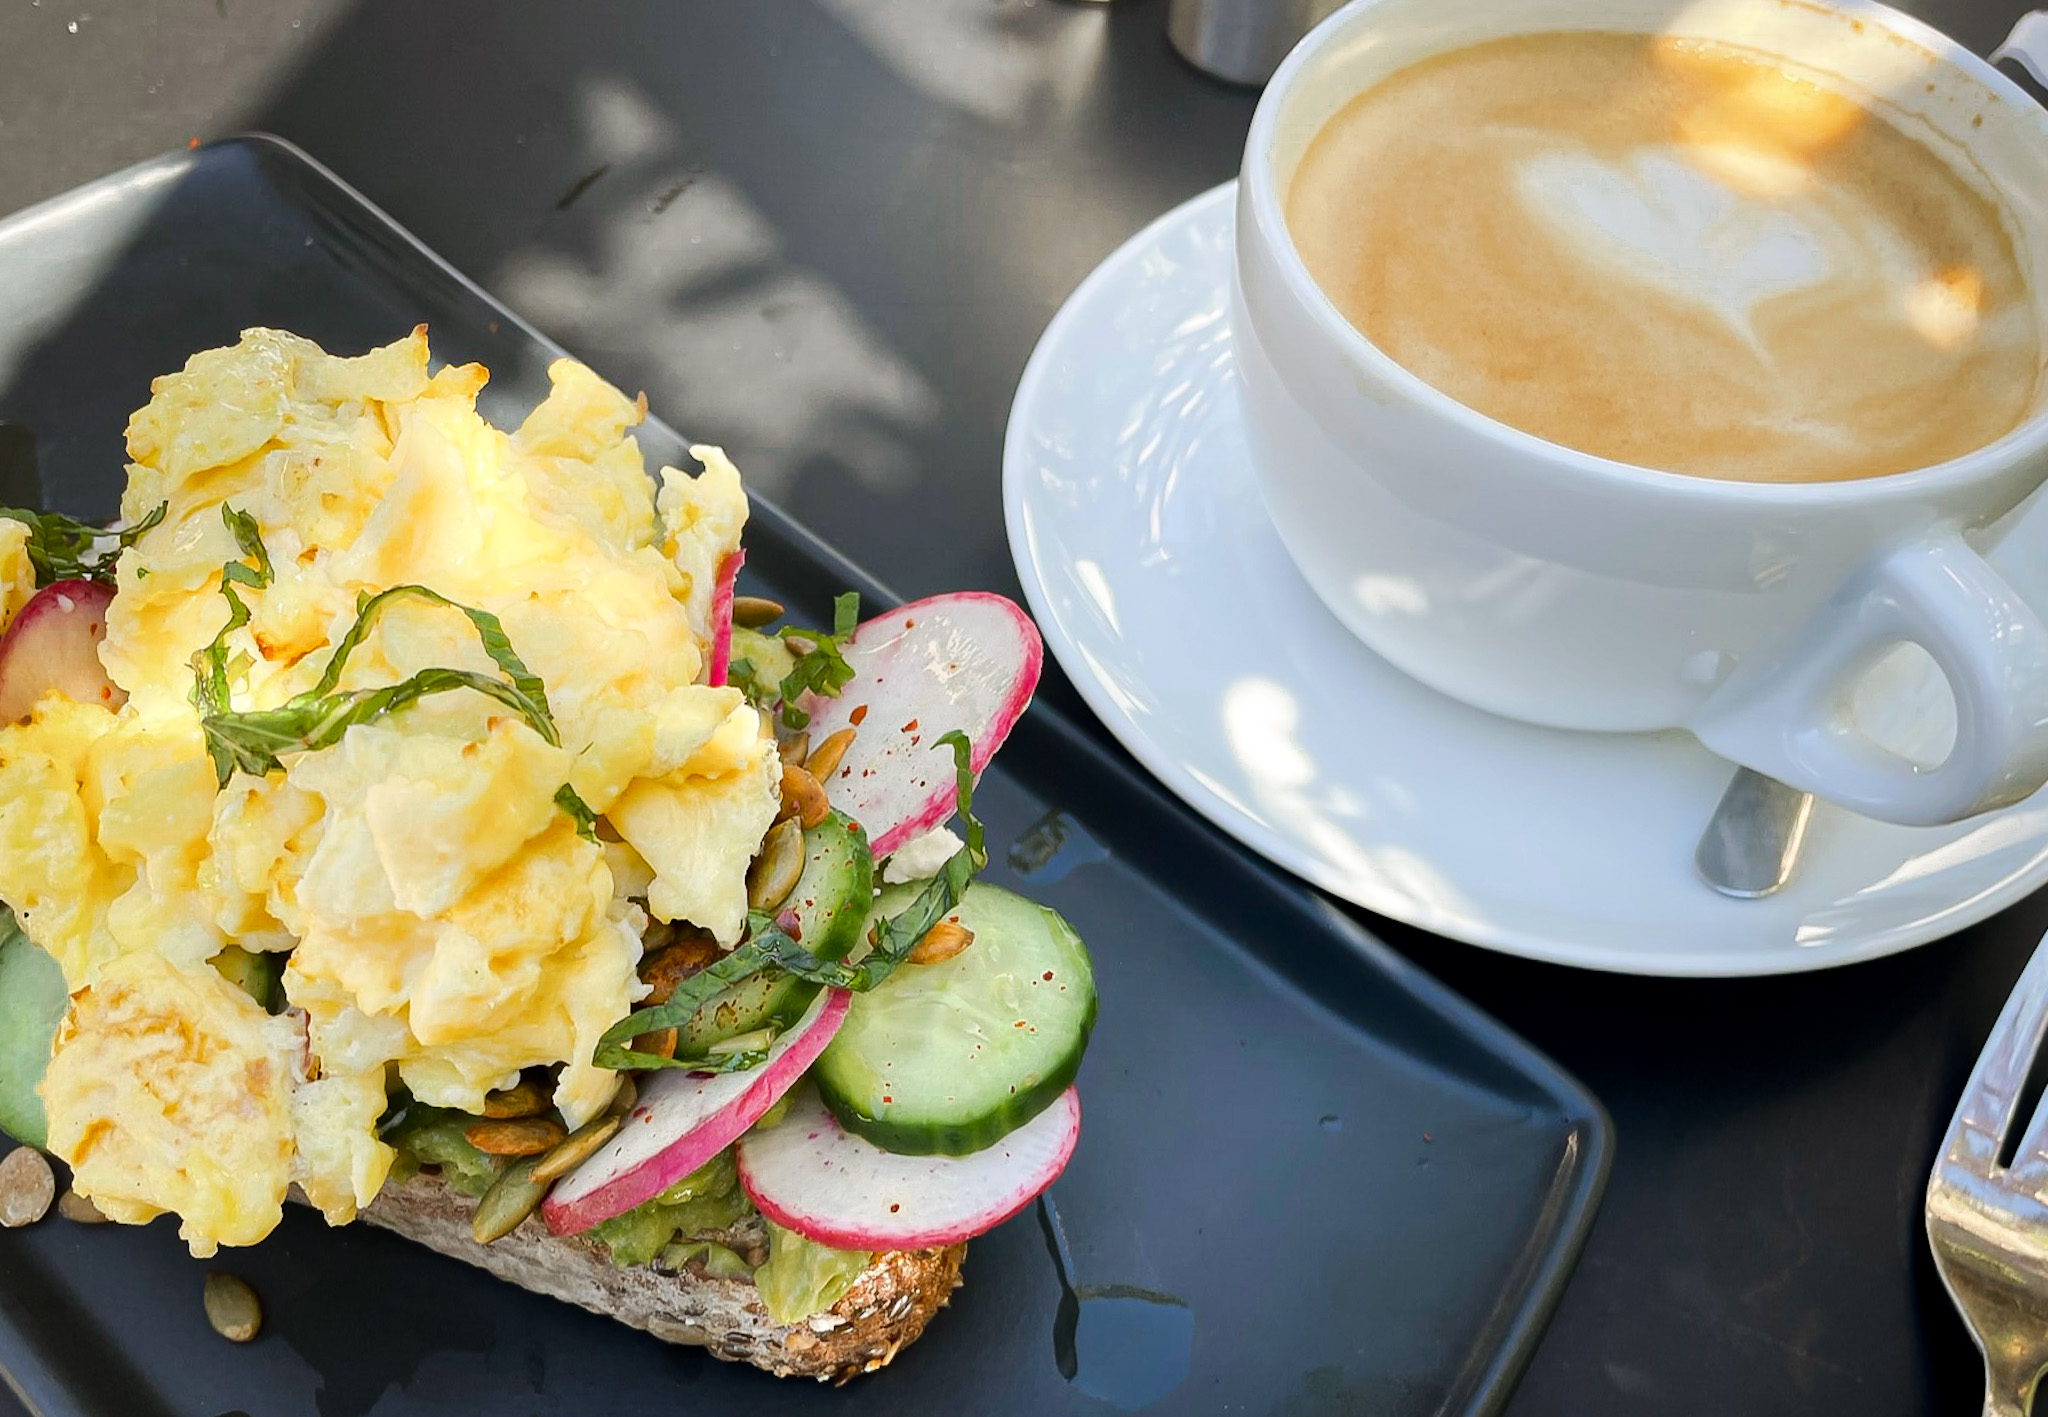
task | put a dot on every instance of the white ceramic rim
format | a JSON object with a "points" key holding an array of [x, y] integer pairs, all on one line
{"points": [[2020, 443], [1403, 909]]}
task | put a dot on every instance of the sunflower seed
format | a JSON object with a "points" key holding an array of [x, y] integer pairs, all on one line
{"points": [[941, 942], [79, 1209], [523, 1136], [27, 1186], [505, 1206], [232, 1307], [825, 757], [778, 868], [576, 1149], [754, 611], [793, 751]]}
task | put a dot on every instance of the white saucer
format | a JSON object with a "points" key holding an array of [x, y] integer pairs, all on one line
{"points": [[1146, 554]]}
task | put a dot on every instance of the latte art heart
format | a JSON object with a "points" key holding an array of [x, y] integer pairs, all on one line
{"points": [[1658, 217], [1680, 256]]}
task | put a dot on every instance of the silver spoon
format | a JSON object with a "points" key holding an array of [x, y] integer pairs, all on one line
{"points": [[1752, 840]]}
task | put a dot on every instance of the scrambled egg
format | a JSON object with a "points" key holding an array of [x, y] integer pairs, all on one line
{"points": [[446, 924], [170, 1090]]}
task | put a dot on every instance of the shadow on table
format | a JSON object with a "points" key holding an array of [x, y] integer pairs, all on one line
{"points": [[670, 190], [1719, 1089]]}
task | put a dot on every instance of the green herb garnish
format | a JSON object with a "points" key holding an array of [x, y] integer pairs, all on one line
{"points": [[819, 665], [578, 810], [61, 549], [768, 947], [254, 740]]}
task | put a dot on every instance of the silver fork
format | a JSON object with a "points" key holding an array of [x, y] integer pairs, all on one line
{"points": [[1988, 1224]]}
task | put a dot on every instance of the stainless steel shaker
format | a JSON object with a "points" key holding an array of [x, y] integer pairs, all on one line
{"points": [[1241, 41]]}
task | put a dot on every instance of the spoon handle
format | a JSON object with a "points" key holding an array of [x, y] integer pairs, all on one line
{"points": [[1752, 841]]}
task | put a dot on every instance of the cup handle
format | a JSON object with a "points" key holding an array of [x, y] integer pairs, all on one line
{"points": [[2027, 45], [1787, 718]]}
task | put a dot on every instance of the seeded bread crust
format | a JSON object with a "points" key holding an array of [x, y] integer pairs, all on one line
{"points": [[887, 1307]]}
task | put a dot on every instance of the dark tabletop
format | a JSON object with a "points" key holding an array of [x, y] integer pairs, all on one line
{"points": [[826, 233]]}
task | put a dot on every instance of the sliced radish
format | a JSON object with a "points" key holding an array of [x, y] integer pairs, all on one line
{"points": [[807, 1175], [969, 661], [54, 645], [682, 1120], [721, 617]]}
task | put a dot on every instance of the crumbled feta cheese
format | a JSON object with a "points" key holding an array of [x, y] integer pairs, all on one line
{"points": [[922, 857]]}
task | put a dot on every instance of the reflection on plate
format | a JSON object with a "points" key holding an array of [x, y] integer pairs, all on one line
{"points": [[1137, 529]]}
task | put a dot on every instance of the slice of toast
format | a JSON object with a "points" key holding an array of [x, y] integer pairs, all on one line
{"points": [[887, 1307]]}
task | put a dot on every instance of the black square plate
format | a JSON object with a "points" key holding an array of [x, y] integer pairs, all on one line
{"points": [[1308, 1175]]}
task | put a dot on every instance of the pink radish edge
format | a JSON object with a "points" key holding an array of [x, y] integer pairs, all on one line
{"points": [[53, 645], [940, 805], [851, 1237], [607, 1193], [721, 617]]}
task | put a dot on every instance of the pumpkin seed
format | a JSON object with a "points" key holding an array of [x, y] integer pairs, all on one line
{"points": [[793, 751], [523, 1136], [824, 759], [511, 1198], [524, 1099], [802, 797], [232, 1307], [661, 1043], [743, 1043], [778, 868], [577, 1149], [75, 1207], [670, 965], [941, 942], [27, 1186], [753, 611]]}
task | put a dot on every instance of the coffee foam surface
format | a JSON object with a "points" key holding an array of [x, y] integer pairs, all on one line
{"points": [[1678, 256]]}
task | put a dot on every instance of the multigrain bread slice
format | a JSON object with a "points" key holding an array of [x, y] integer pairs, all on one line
{"points": [[887, 1307]]}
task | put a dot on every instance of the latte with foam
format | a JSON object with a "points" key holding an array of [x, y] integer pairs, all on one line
{"points": [[1673, 254]]}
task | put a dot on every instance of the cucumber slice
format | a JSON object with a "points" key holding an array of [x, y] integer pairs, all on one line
{"points": [[831, 902], [259, 974], [32, 1004], [948, 1058]]}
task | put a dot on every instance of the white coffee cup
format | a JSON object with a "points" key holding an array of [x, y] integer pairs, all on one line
{"points": [[1565, 589]]}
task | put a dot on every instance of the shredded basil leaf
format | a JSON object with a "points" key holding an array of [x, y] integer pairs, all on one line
{"points": [[578, 810], [249, 537], [524, 682], [61, 549], [690, 995], [210, 668], [254, 740], [739, 673], [821, 666], [963, 774], [769, 947]]}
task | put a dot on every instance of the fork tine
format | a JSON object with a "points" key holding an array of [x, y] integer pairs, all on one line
{"points": [[1986, 1110]]}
